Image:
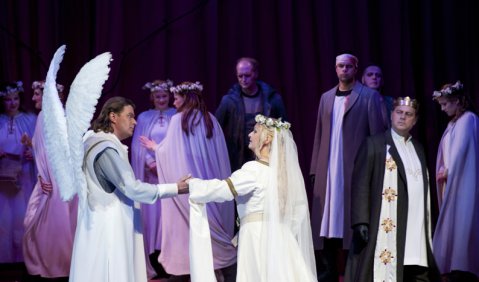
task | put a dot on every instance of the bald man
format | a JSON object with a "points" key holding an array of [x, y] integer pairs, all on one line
{"points": [[348, 113], [241, 104]]}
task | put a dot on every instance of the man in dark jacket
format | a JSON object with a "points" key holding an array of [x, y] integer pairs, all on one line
{"points": [[390, 211], [241, 104]]}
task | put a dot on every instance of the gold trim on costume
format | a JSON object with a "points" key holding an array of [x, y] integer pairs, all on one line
{"points": [[390, 194], [386, 256], [232, 187], [385, 252], [388, 225], [263, 162], [391, 164], [252, 217]]}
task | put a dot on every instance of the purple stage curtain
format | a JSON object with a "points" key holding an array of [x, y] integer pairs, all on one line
{"points": [[419, 44]]}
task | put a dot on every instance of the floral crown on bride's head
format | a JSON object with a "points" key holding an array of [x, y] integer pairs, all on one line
{"points": [[272, 123], [187, 86], [158, 85]]}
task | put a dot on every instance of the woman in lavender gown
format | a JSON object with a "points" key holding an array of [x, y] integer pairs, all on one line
{"points": [[153, 124], [456, 239], [17, 170], [49, 221], [194, 144]]}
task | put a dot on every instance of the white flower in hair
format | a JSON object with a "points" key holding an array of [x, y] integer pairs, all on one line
{"points": [[270, 122], [187, 86], [260, 119], [10, 90], [38, 84], [156, 86], [451, 89], [41, 85]]}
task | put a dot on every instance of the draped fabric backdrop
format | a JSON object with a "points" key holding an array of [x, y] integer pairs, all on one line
{"points": [[420, 45]]}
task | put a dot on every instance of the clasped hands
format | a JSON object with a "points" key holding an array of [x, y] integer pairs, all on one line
{"points": [[183, 187], [182, 184]]}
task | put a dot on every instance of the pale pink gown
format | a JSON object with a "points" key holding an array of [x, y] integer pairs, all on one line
{"points": [[49, 222]]}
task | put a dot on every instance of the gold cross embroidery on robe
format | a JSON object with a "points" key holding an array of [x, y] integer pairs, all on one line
{"points": [[388, 225], [390, 164], [386, 256], [390, 194]]}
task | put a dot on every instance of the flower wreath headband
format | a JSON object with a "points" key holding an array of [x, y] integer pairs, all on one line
{"points": [[451, 89], [154, 86], [187, 87], [11, 90], [41, 85], [272, 123]]}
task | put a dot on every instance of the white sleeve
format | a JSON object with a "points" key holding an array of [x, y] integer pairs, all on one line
{"points": [[240, 183], [120, 174]]}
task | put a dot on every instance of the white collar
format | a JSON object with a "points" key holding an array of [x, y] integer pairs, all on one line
{"points": [[400, 138]]}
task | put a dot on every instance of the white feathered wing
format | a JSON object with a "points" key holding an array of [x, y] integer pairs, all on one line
{"points": [[55, 129], [65, 130], [80, 107]]}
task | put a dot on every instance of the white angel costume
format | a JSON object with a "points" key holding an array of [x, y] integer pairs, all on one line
{"points": [[108, 242], [274, 242]]}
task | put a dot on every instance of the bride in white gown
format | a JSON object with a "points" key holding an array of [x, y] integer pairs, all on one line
{"points": [[274, 242]]}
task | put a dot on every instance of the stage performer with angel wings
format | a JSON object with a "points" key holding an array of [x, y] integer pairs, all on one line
{"points": [[108, 244]]}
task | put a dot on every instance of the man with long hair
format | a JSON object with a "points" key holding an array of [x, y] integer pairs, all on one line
{"points": [[108, 243]]}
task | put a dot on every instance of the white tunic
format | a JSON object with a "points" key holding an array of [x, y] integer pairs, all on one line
{"points": [[333, 218], [108, 243], [415, 250]]}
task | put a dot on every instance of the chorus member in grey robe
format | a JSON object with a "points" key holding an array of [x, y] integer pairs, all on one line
{"points": [[390, 210], [347, 114]]}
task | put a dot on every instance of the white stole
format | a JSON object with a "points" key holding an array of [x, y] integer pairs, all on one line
{"points": [[385, 255]]}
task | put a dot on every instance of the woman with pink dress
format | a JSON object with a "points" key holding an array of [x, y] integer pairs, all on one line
{"points": [[49, 221], [17, 169], [194, 144], [153, 124]]}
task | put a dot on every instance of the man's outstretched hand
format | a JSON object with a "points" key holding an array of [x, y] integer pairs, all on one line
{"points": [[183, 187]]}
